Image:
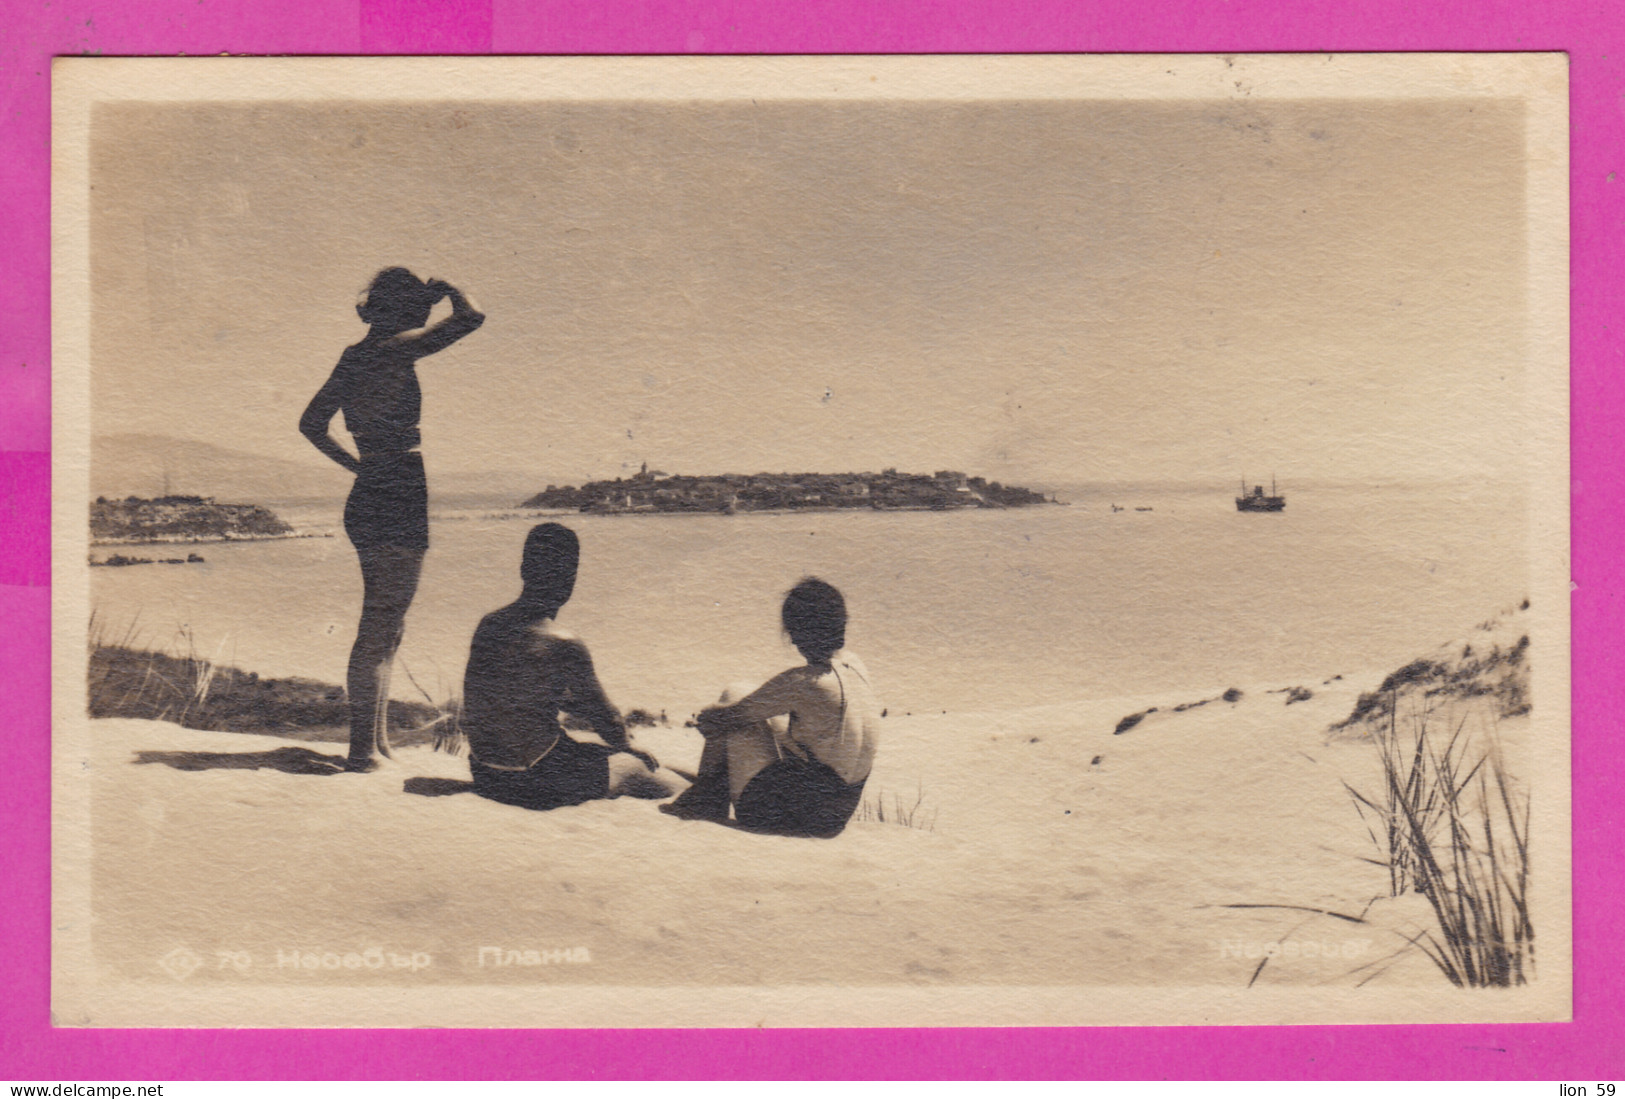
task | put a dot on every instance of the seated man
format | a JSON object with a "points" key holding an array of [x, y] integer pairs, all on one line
{"points": [[523, 671], [791, 757]]}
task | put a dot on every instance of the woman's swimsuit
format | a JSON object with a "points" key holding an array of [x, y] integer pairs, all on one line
{"points": [[389, 505], [799, 795]]}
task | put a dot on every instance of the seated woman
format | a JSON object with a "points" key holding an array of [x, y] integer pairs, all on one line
{"points": [[792, 756], [523, 671]]}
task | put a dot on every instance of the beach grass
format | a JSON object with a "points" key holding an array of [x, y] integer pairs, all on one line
{"points": [[130, 678], [1454, 828]]}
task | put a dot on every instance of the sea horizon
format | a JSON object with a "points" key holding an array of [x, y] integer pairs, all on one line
{"points": [[967, 609]]}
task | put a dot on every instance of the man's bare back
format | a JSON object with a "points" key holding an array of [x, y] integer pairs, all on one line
{"points": [[524, 671], [522, 674]]}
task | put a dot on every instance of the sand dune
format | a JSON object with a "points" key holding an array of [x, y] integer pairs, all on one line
{"points": [[1058, 853]]}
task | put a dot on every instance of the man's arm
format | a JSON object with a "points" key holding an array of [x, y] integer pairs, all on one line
{"points": [[585, 699], [570, 667]]}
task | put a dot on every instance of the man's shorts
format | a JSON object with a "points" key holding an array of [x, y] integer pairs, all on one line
{"points": [[570, 773]]}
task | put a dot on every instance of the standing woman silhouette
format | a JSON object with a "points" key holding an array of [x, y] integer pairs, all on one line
{"points": [[375, 385]]}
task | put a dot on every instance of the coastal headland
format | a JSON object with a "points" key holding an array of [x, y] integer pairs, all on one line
{"points": [[652, 491], [181, 519]]}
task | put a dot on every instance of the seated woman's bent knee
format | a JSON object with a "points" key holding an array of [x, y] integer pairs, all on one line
{"points": [[733, 692]]}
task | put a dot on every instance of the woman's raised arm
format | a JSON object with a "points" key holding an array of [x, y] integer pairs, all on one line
{"points": [[319, 414], [442, 334]]}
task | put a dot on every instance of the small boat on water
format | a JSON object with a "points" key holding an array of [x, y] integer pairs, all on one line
{"points": [[1257, 501]]}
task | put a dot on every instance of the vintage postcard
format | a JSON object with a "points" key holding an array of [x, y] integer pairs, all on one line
{"points": [[844, 541]]}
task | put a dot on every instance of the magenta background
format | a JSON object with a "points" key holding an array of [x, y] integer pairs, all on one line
{"points": [[1591, 1048]]}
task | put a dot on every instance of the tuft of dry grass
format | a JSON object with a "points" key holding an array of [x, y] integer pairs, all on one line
{"points": [[1454, 828], [443, 726], [915, 814]]}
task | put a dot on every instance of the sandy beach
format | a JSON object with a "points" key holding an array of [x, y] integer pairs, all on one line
{"points": [[1046, 849]]}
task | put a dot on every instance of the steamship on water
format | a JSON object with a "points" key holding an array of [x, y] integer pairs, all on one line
{"points": [[1257, 501]]}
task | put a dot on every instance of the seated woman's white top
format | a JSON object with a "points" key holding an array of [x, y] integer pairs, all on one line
{"points": [[834, 716]]}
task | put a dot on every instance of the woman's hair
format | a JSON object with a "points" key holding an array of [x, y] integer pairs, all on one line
{"points": [[396, 296], [552, 554], [814, 616]]}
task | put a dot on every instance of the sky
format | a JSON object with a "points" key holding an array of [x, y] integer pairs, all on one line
{"points": [[1039, 292]]}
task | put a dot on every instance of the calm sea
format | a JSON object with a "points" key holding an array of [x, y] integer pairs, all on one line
{"points": [[952, 611]]}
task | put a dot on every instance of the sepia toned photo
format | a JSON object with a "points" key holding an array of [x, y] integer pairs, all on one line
{"points": [[869, 541]]}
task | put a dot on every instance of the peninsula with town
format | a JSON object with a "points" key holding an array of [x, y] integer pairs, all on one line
{"points": [[651, 491]]}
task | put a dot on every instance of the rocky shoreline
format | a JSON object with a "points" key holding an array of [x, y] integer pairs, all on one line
{"points": [[118, 561], [182, 519]]}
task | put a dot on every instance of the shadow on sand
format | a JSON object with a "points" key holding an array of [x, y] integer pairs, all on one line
{"points": [[437, 787], [291, 761]]}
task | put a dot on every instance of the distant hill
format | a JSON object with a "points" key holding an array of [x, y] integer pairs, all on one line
{"points": [[159, 465]]}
